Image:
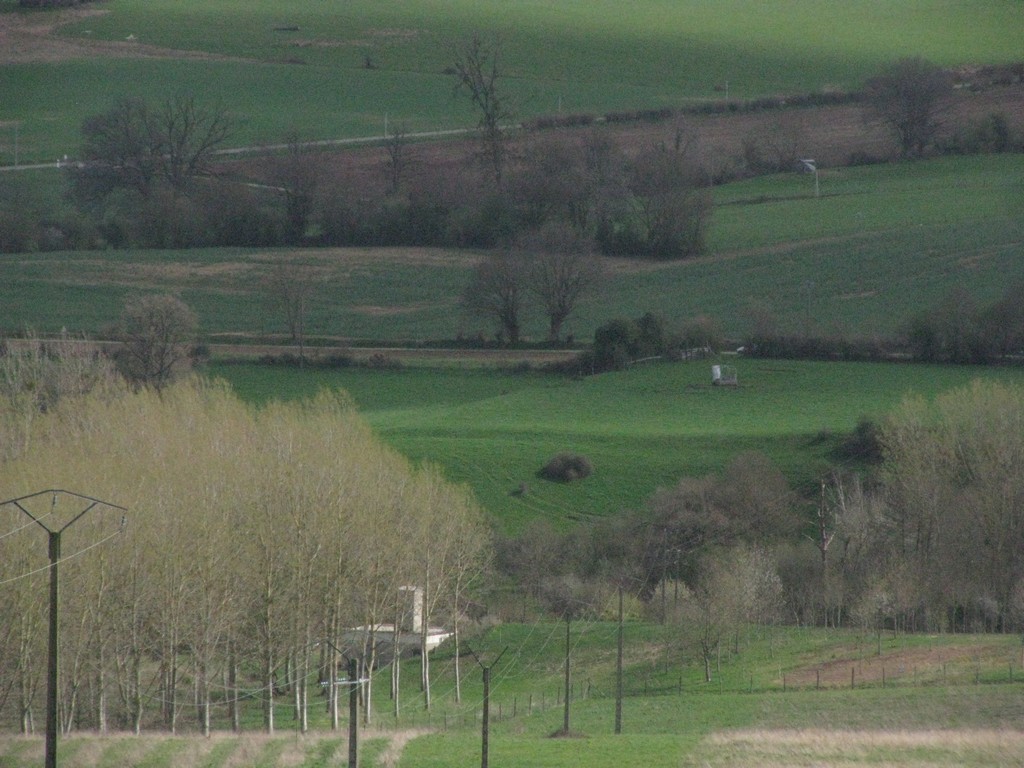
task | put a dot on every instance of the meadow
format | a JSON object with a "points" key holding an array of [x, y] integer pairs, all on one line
{"points": [[878, 246], [330, 71], [947, 701], [643, 428]]}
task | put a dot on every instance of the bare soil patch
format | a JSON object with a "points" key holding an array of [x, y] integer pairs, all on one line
{"points": [[28, 38], [864, 666], [835, 749]]}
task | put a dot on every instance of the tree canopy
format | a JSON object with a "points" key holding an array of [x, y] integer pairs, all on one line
{"points": [[252, 534]]}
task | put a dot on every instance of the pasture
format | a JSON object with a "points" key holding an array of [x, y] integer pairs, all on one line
{"points": [[643, 428], [881, 244], [336, 71]]}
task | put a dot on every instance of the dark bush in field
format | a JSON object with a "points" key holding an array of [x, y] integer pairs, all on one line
{"points": [[957, 330], [621, 341], [989, 135], [862, 445], [799, 347], [566, 467], [951, 332]]}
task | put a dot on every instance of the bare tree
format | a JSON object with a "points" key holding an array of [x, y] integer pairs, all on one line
{"points": [[497, 291], [477, 69], [667, 210], [297, 173], [909, 96], [288, 290], [185, 134], [134, 145], [397, 145], [553, 182], [157, 333], [562, 269]]}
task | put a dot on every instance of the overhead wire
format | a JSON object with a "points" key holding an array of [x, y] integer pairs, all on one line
{"points": [[48, 566]]}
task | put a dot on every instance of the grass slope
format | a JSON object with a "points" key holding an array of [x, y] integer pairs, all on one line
{"points": [[310, 70], [879, 245], [642, 429]]}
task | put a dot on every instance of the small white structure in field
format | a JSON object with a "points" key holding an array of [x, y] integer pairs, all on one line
{"points": [[724, 376], [409, 635]]}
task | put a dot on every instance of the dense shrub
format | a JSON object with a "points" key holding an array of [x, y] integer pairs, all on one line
{"points": [[622, 341], [957, 330], [949, 332], [799, 347], [863, 444], [566, 467], [989, 135]]}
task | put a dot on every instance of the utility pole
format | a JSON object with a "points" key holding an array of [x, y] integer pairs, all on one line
{"points": [[54, 534], [568, 686], [618, 671], [353, 714], [486, 716], [353, 682]]}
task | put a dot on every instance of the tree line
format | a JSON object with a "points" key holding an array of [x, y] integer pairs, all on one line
{"points": [[149, 175], [254, 539]]}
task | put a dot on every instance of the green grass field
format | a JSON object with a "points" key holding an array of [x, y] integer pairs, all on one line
{"points": [[947, 701], [569, 55], [880, 244], [644, 428]]}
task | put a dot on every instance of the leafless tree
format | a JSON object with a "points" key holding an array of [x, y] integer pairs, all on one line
{"points": [[135, 145], [669, 208], [909, 96], [288, 290], [563, 268], [297, 173], [477, 68], [397, 145], [497, 291], [157, 335], [185, 134]]}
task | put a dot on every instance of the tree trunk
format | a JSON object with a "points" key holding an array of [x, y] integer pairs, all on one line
{"points": [[458, 667], [268, 691], [234, 710]]}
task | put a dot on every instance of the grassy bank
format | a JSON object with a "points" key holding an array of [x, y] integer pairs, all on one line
{"points": [[641, 428]]}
